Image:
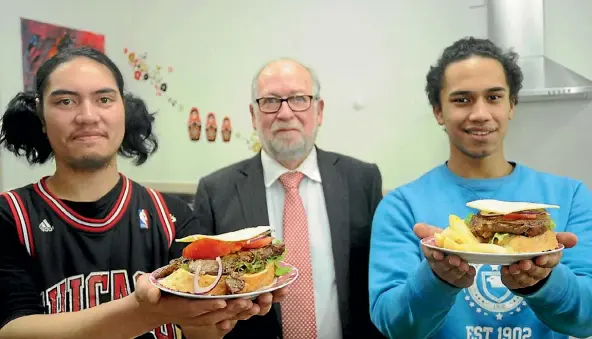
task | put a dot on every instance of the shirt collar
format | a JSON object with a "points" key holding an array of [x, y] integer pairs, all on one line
{"points": [[272, 169]]}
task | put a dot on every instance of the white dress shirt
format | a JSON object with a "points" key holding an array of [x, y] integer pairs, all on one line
{"points": [[323, 270]]}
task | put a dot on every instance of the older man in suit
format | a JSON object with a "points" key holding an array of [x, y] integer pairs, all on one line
{"points": [[320, 203]]}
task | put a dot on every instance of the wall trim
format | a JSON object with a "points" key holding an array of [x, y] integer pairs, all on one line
{"points": [[171, 187], [187, 188]]}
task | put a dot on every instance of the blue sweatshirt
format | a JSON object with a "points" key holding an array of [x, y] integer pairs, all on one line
{"points": [[407, 301]]}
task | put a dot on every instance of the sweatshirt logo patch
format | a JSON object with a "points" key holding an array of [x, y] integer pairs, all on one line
{"points": [[489, 297]]}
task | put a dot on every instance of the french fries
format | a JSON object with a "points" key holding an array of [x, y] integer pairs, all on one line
{"points": [[458, 237]]}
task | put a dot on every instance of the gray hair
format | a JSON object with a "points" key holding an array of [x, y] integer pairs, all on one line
{"points": [[316, 84]]}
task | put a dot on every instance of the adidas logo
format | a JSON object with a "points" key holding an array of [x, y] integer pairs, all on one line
{"points": [[44, 226]]}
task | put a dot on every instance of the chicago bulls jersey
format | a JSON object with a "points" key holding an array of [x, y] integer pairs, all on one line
{"points": [[71, 256]]}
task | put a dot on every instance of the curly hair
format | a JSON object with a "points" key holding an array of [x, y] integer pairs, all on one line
{"points": [[468, 47], [22, 123]]}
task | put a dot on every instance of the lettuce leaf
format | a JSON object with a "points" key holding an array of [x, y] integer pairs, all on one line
{"points": [[499, 236], [258, 265], [280, 270], [468, 218]]}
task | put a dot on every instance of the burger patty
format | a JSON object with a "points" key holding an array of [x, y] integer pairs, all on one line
{"points": [[234, 283], [230, 263], [486, 226]]}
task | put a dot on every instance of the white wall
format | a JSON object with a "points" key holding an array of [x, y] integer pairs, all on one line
{"points": [[555, 136], [375, 52], [378, 53], [88, 16]]}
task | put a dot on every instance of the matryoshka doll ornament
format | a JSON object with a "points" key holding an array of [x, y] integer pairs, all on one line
{"points": [[211, 127], [226, 129], [194, 124]]}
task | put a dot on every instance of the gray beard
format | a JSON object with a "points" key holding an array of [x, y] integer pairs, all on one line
{"points": [[279, 151]]}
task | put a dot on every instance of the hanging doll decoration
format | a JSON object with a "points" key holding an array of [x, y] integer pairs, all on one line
{"points": [[226, 129], [211, 127], [194, 124]]}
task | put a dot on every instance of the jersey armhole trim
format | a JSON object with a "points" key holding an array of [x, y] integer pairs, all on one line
{"points": [[164, 215], [22, 221]]}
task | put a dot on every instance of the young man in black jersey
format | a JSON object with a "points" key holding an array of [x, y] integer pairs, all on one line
{"points": [[74, 246]]}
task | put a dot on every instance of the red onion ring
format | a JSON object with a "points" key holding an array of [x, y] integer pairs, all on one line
{"points": [[202, 290]]}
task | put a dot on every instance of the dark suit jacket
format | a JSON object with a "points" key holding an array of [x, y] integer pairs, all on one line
{"points": [[234, 197]]}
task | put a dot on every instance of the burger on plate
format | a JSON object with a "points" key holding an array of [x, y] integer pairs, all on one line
{"points": [[518, 226], [237, 262]]}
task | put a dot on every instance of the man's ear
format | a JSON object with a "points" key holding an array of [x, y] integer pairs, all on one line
{"points": [[512, 107], [253, 120], [438, 114], [320, 108], [39, 112]]}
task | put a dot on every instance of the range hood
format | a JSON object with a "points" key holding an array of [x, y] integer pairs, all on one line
{"points": [[519, 25]]}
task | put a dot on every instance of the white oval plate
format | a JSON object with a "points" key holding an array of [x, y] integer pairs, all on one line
{"points": [[278, 283], [487, 258]]}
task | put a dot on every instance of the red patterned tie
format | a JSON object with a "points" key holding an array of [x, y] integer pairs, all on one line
{"points": [[298, 310]]}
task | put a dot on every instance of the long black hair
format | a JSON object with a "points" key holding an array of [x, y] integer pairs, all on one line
{"points": [[22, 124]]}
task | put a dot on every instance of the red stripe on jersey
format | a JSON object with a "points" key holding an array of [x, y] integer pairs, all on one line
{"points": [[163, 214], [27, 221], [84, 223], [168, 215], [22, 221]]}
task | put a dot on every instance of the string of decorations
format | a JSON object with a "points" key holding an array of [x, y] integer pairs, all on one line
{"points": [[156, 78]]}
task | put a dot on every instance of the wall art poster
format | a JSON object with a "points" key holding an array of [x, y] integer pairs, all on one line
{"points": [[41, 41]]}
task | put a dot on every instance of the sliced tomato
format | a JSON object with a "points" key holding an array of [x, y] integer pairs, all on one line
{"points": [[516, 216], [258, 243], [206, 248]]}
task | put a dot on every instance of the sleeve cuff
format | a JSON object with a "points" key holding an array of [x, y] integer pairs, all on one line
{"points": [[427, 286], [554, 289]]}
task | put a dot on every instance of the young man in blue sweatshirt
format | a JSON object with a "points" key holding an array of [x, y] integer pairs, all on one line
{"points": [[473, 91]]}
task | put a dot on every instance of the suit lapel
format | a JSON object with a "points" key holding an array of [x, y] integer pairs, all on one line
{"points": [[337, 204], [251, 192]]}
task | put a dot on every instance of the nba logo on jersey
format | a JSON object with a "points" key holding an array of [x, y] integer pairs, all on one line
{"points": [[144, 223]]}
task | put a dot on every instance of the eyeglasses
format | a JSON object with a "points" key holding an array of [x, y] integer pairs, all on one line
{"points": [[297, 103]]}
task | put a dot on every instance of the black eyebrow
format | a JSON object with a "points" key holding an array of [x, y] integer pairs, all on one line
{"points": [[489, 90], [57, 92], [105, 91], [62, 92], [459, 93]]}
